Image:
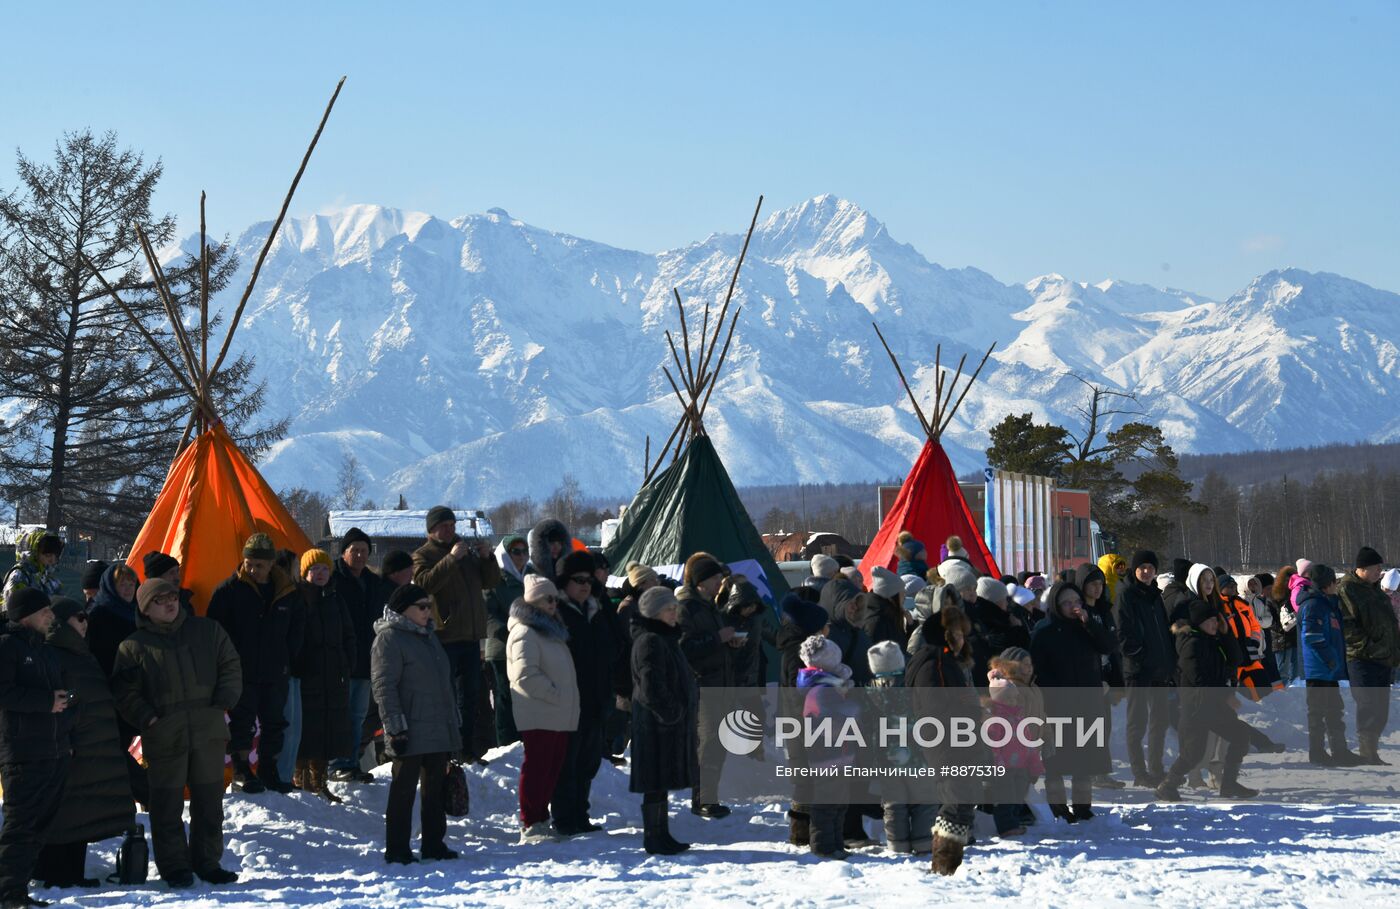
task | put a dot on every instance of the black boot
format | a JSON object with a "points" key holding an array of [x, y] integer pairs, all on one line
{"points": [[799, 828], [1063, 813], [1370, 751], [654, 836], [1230, 786], [243, 777], [1082, 812]]}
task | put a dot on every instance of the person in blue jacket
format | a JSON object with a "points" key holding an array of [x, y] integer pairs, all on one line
{"points": [[1324, 666]]}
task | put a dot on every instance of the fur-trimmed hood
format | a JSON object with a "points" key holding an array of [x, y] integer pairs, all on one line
{"points": [[541, 535], [523, 612]]}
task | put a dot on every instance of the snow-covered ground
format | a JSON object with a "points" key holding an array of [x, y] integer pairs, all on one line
{"points": [[297, 850]]}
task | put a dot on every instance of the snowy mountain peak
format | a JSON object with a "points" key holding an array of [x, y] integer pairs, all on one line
{"points": [[476, 360]]}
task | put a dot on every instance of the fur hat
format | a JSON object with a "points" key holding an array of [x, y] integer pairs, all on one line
{"points": [[355, 535], [26, 601], [655, 600], [702, 566], [885, 658], [638, 574], [538, 588], [819, 652], [852, 574], [1367, 557], [960, 574], [992, 590], [579, 561], [147, 592], [438, 514], [395, 560], [807, 616], [156, 564], [313, 557], [824, 566], [405, 596], [259, 546], [885, 583]]}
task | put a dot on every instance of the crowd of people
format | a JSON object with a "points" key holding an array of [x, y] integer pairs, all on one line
{"points": [[304, 667]]}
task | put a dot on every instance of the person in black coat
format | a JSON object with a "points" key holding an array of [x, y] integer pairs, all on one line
{"points": [[96, 803], [1093, 586], [260, 610], [883, 617], [592, 643], [1207, 664], [1177, 594], [34, 738], [938, 672], [1149, 666], [705, 641], [665, 702], [365, 594], [111, 620], [997, 623], [1067, 650], [847, 633], [324, 665]]}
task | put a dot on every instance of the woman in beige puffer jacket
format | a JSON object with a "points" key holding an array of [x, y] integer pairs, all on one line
{"points": [[544, 698]]}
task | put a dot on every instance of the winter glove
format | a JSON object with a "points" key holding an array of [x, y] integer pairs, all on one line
{"points": [[398, 743]]}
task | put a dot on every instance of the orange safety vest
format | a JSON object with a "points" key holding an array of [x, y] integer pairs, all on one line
{"points": [[1245, 626]]}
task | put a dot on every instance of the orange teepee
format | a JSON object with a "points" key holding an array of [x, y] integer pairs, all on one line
{"points": [[212, 501]]}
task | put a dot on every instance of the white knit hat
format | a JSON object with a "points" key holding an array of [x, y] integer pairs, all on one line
{"points": [[992, 590], [824, 566], [912, 584], [820, 652], [885, 583], [538, 587], [958, 573], [1390, 581], [885, 658]]}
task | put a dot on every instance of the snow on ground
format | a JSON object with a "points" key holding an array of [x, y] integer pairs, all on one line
{"points": [[297, 850]]}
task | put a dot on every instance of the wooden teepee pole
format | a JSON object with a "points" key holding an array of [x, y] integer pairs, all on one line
{"points": [[685, 338], [733, 282], [272, 235], [172, 311], [918, 411], [967, 388], [203, 302], [714, 379], [145, 333]]}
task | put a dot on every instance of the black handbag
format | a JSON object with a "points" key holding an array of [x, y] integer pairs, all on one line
{"points": [[456, 798]]}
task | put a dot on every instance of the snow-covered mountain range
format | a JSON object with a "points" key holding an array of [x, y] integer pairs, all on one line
{"points": [[482, 358]]}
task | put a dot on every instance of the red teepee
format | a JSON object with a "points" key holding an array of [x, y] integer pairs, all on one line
{"points": [[931, 507], [930, 504]]}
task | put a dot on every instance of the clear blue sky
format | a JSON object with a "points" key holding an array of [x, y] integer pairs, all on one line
{"points": [[1180, 144]]}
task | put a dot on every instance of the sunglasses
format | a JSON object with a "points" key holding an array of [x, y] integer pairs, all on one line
{"points": [[423, 605], [580, 579], [517, 550]]}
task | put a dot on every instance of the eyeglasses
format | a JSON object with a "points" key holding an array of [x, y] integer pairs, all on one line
{"points": [[517, 550], [580, 579]]}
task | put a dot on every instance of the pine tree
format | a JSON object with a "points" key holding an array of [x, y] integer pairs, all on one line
{"points": [[95, 417]]}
